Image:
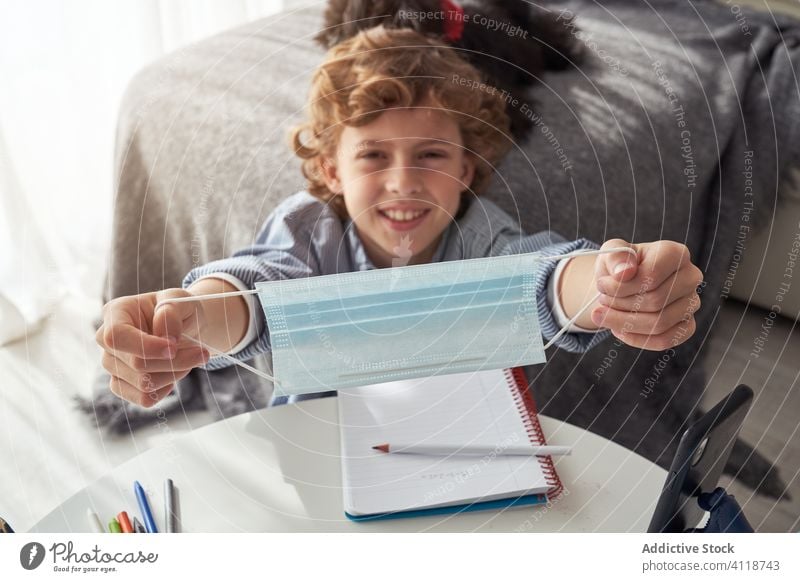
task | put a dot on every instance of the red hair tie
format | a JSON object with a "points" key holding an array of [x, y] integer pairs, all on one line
{"points": [[453, 20]]}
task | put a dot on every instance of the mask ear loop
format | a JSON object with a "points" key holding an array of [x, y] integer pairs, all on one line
{"points": [[215, 351], [232, 360], [579, 252], [261, 374]]}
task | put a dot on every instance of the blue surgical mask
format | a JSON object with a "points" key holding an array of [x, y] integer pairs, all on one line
{"points": [[367, 327]]}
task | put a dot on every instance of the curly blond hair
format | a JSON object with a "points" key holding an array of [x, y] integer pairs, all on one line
{"points": [[360, 78]]}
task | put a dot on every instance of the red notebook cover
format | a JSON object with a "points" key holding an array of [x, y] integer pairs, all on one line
{"points": [[530, 418]]}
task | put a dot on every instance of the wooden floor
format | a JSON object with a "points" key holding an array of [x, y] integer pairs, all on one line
{"points": [[773, 424]]}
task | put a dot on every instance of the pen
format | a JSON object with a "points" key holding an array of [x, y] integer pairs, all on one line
{"points": [[113, 526], [137, 526], [144, 507], [169, 506], [459, 450], [94, 522], [5, 527], [124, 522]]}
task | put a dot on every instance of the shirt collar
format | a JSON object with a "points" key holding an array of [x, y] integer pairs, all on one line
{"points": [[361, 261]]}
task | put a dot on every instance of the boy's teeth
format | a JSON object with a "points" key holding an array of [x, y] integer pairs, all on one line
{"points": [[403, 215]]}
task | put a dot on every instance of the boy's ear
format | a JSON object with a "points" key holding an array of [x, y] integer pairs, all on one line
{"points": [[330, 174], [468, 171]]}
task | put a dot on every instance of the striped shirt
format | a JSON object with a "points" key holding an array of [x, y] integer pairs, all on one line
{"points": [[304, 237]]}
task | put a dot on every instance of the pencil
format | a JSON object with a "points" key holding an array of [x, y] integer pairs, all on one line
{"points": [[5, 527], [144, 507], [169, 506], [94, 521], [124, 522], [472, 450]]}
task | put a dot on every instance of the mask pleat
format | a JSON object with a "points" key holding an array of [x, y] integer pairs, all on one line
{"points": [[313, 315], [380, 322], [348, 298]]}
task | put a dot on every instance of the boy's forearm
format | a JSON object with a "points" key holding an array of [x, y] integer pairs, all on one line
{"points": [[576, 288], [225, 319]]}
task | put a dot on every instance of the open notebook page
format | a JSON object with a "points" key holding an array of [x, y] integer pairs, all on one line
{"points": [[475, 408]]}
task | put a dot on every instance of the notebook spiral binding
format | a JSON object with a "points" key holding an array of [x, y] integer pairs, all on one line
{"points": [[527, 409]]}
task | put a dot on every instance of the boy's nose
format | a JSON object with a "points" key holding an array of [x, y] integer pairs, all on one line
{"points": [[403, 180]]}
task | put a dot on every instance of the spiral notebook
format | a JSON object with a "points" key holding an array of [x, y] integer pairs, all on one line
{"points": [[491, 408]]}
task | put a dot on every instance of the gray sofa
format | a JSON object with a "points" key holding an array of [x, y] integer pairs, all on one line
{"points": [[202, 158]]}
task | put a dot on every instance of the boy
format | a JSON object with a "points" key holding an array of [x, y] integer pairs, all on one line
{"points": [[402, 137]]}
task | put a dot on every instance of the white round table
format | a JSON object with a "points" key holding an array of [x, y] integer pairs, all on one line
{"points": [[278, 469]]}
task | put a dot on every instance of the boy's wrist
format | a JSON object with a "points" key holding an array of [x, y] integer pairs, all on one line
{"points": [[577, 287], [226, 319]]}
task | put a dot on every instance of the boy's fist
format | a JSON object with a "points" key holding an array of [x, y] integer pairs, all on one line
{"points": [[143, 351], [648, 302]]}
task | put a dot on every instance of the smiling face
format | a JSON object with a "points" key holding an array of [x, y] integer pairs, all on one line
{"points": [[401, 177]]}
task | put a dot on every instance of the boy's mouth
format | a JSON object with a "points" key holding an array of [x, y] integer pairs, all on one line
{"points": [[399, 219]]}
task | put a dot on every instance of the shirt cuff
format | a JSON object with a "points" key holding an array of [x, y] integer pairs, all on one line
{"points": [[555, 304], [253, 323]]}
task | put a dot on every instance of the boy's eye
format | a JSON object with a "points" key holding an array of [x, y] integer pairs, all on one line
{"points": [[371, 155], [433, 155]]}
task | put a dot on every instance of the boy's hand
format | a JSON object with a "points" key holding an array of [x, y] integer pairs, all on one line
{"points": [[651, 304], [143, 349]]}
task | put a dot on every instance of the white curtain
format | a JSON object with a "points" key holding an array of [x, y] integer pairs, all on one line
{"points": [[63, 69]]}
